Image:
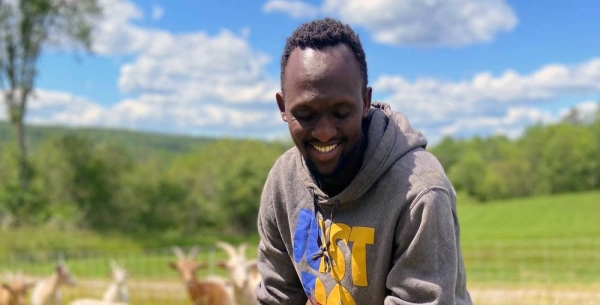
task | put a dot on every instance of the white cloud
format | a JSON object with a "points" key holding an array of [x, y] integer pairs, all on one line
{"points": [[511, 124], [200, 67], [486, 103], [148, 112], [296, 9], [115, 34], [586, 110], [222, 67], [425, 23], [157, 12]]}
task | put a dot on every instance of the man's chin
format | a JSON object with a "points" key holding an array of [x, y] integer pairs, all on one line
{"points": [[323, 174]]}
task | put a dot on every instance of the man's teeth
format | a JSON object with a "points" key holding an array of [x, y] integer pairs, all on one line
{"points": [[325, 149]]}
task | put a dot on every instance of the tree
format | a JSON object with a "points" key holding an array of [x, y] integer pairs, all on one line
{"points": [[468, 174], [26, 27]]}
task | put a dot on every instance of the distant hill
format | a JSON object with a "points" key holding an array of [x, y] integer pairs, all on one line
{"points": [[136, 142]]}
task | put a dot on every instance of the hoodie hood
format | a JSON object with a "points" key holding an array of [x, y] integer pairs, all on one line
{"points": [[389, 137]]}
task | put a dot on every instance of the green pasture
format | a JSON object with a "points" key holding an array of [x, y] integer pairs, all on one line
{"points": [[541, 240], [554, 239], [557, 217]]}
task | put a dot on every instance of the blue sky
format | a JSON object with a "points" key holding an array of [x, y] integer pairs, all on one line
{"points": [[454, 67]]}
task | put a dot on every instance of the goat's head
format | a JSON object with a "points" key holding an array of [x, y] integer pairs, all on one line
{"points": [[119, 274], [186, 265], [17, 290], [64, 275], [237, 265]]}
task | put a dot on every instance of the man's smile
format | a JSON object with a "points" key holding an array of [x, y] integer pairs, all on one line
{"points": [[324, 149]]}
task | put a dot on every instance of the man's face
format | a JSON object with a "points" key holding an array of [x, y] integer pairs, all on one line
{"points": [[324, 105]]}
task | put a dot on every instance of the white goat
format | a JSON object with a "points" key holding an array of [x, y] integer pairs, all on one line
{"points": [[202, 292], [116, 293], [242, 273], [47, 292]]}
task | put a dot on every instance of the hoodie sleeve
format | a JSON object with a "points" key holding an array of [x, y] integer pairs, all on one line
{"points": [[280, 283], [426, 258]]}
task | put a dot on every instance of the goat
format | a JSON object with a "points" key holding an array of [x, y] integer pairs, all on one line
{"points": [[243, 274], [116, 293], [14, 290], [206, 292], [46, 292]]}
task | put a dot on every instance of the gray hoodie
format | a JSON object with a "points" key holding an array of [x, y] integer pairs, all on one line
{"points": [[391, 237]]}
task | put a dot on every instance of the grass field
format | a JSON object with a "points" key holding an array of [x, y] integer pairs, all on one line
{"points": [[553, 239], [542, 250]]}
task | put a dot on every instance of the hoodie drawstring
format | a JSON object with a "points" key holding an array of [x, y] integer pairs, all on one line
{"points": [[324, 239]]}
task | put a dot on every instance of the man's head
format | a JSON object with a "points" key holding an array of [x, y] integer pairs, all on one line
{"points": [[324, 97], [320, 34]]}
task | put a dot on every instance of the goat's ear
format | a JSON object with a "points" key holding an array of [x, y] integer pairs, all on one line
{"points": [[5, 286], [251, 264], [172, 265]]}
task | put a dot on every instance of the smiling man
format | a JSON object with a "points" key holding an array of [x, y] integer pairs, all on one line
{"points": [[358, 212]]}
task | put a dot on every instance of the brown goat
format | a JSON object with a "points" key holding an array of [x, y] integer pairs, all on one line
{"points": [[14, 291], [203, 292]]}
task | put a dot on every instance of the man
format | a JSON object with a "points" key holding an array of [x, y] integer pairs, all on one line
{"points": [[358, 212]]}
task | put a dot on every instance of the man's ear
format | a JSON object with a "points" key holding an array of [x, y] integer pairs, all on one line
{"points": [[281, 105], [367, 101]]}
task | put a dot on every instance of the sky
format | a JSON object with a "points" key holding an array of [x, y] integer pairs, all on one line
{"points": [[458, 68]]}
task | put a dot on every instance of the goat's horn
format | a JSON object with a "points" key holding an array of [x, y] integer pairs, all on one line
{"points": [[242, 249], [179, 253], [227, 248], [193, 251], [114, 265]]}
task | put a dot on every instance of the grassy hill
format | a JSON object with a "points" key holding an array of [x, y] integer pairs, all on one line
{"points": [[551, 239], [137, 142], [565, 216]]}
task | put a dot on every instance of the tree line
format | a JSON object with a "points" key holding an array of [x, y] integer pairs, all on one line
{"points": [[545, 160], [78, 182]]}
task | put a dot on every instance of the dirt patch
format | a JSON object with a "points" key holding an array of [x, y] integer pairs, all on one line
{"points": [[550, 295]]}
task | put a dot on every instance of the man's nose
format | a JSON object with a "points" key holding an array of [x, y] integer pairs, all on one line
{"points": [[324, 129]]}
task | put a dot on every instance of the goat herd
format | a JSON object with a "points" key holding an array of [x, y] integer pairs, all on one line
{"points": [[237, 288]]}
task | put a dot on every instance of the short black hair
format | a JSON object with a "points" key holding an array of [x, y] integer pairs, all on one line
{"points": [[322, 33]]}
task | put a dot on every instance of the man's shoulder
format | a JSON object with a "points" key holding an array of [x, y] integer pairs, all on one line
{"points": [[287, 159], [286, 164], [421, 167]]}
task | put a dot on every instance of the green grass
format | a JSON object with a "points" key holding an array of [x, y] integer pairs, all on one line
{"points": [[554, 239], [568, 216], [547, 240]]}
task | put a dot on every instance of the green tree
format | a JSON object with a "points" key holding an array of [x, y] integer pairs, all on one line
{"points": [[564, 157], [26, 27], [508, 175], [79, 181], [595, 127], [242, 182], [448, 151], [468, 174]]}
